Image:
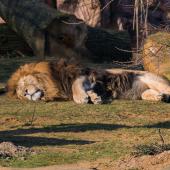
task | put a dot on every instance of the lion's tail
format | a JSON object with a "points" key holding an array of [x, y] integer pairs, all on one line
{"points": [[156, 82]]}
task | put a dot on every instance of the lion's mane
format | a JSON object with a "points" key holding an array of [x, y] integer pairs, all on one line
{"points": [[56, 77]]}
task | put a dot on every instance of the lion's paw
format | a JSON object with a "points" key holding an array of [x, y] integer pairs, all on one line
{"points": [[95, 99], [81, 98]]}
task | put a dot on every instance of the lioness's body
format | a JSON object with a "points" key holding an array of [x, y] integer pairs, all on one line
{"points": [[59, 80]]}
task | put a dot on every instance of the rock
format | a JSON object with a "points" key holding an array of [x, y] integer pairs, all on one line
{"points": [[9, 150], [156, 54]]}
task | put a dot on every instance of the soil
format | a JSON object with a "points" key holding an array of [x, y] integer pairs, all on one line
{"points": [[158, 162], [154, 162]]}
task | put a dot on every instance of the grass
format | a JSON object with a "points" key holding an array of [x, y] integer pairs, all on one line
{"points": [[64, 132]]}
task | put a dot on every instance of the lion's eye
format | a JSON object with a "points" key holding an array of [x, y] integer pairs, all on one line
{"points": [[26, 92]]}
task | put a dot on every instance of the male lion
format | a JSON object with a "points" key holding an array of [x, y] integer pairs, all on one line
{"points": [[50, 81], [59, 80]]}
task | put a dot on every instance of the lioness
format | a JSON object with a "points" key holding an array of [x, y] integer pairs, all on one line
{"points": [[59, 80]]}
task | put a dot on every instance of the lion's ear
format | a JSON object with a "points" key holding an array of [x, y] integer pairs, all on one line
{"points": [[62, 62], [73, 60]]}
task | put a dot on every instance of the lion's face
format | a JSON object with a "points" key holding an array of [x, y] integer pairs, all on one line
{"points": [[29, 87]]}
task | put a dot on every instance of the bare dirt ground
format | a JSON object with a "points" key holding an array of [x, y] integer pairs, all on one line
{"points": [[64, 167], [158, 162]]}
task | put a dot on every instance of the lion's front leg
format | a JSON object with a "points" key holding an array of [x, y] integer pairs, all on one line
{"points": [[82, 92], [79, 91]]}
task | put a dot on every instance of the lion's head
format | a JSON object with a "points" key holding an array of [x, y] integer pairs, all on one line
{"points": [[38, 86], [46, 81], [33, 82], [29, 87]]}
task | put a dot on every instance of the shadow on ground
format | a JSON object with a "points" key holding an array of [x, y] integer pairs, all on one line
{"points": [[18, 137], [30, 141], [165, 125], [65, 128]]}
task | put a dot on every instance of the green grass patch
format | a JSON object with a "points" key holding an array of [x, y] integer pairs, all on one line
{"points": [[64, 132], [89, 153]]}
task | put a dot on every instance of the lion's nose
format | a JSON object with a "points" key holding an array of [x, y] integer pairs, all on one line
{"points": [[42, 93], [37, 95]]}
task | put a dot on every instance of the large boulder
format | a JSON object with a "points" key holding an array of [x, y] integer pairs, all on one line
{"points": [[156, 54], [47, 31], [89, 11], [11, 43]]}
